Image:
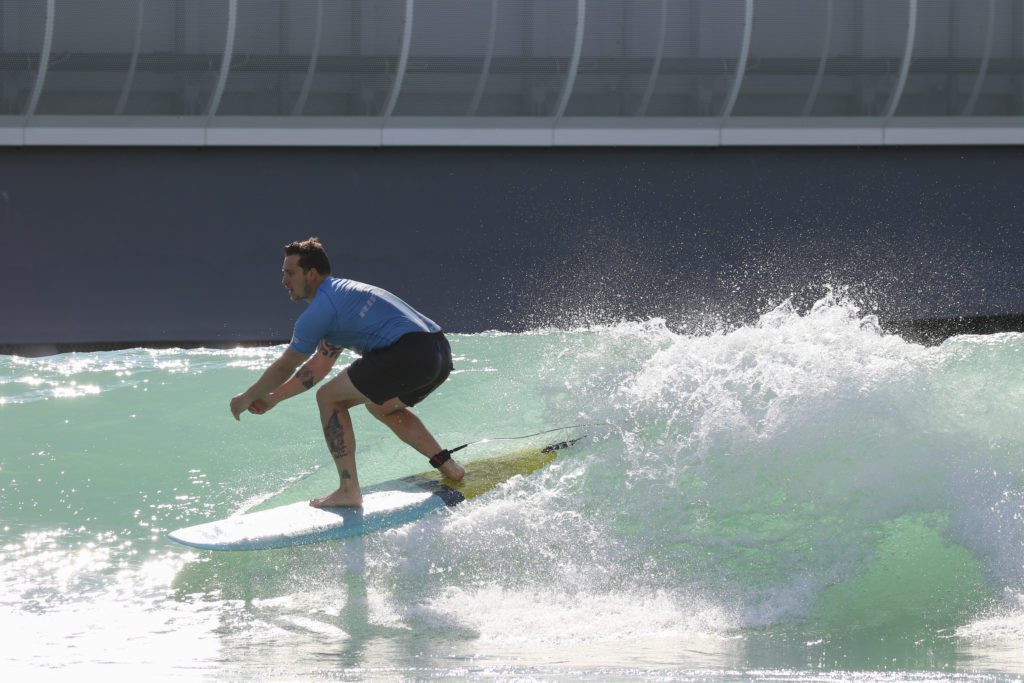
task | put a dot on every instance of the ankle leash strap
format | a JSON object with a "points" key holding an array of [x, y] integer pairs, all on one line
{"points": [[441, 458]]}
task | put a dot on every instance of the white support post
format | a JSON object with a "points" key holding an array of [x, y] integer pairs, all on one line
{"points": [[485, 72], [133, 66], [985, 58], [574, 63], [44, 59], [819, 77], [659, 53], [307, 82], [741, 64], [403, 60], [225, 63], [908, 53]]}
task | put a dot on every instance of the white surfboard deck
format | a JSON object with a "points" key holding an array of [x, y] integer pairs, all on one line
{"points": [[385, 506]]}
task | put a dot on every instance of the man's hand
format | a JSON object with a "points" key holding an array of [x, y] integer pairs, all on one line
{"points": [[272, 378], [262, 405], [239, 404]]}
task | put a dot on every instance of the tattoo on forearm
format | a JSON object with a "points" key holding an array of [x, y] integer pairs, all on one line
{"points": [[305, 376], [335, 436], [330, 350]]}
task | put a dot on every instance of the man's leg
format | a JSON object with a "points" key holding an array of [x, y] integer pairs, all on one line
{"points": [[334, 399], [410, 429]]}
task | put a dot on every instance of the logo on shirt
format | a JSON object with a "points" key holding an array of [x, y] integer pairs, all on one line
{"points": [[368, 305]]}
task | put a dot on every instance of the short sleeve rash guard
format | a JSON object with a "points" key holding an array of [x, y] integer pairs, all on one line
{"points": [[356, 316]]}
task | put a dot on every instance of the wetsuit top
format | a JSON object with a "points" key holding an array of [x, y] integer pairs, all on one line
{"points": [[356, 316]]}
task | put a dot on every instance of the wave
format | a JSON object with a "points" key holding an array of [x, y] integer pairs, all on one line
{"points": [[806, 472], [771, 473]]}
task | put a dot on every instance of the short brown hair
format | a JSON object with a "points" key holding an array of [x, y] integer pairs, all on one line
{"points": [[311, 255]]}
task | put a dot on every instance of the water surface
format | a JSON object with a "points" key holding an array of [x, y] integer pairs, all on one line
{"points": [[804, 498]]}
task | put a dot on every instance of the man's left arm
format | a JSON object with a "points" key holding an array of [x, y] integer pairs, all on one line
{"points": [[279, 372], [305, 378]]}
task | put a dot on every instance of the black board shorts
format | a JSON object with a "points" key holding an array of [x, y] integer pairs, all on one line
{"points": [[410, 369]]}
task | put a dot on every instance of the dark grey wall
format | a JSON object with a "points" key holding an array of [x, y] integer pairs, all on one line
{"points": [[171, 244]]}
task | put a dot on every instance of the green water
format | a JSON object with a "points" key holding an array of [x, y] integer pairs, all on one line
{"points": [[801, 499]]}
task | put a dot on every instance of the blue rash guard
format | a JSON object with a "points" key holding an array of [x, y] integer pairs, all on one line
{"points": [[356, 316]]}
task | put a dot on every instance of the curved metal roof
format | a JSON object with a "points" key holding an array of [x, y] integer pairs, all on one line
{"points": [[511, 72]]}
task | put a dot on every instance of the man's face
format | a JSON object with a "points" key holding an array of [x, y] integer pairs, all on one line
{"points": [[294, 278]]}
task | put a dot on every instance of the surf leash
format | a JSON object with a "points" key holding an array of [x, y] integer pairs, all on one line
{"points": [[530, 436], [445, 455]]}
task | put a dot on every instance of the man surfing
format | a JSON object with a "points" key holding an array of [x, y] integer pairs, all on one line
{"points": [[404, 357]]}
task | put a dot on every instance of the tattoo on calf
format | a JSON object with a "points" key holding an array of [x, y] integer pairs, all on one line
{"points": [[345, 474], [335, 435]]}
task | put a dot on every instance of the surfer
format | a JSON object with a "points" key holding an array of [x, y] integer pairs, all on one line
{"points": [[404, 357]]}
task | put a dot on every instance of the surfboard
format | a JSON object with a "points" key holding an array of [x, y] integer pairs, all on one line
{"points": [[387, 505]]}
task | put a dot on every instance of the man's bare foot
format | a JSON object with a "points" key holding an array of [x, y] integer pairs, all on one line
{"points": [[452, 470], [339, 499]]}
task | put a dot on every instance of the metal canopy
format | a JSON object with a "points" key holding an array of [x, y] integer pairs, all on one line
{"points": [[511, 72]]}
